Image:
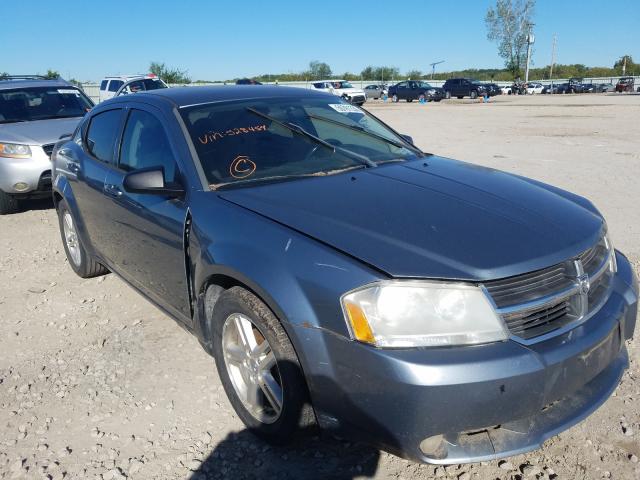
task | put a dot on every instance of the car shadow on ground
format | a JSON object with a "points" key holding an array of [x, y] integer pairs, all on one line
{"points": [[312, 456], [35, 204]]}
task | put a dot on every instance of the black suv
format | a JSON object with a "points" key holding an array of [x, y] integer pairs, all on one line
{"points": [[463, 87]]}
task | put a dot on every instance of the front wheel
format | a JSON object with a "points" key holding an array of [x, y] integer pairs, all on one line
{"points": [[8, 203], [395, 98], [80, 261], [447, 95], [473, 95], [258, 367]]}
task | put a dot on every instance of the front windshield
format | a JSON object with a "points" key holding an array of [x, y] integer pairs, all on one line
{"points": [[424, 85], [42, 103], [236, 142], [342, 85]]}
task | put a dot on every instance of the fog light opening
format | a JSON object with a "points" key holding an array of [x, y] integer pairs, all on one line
{"points": [[20, 187], [434, 447]]}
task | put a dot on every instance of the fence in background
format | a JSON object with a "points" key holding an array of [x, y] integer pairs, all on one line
{"points": [[93, 89]]}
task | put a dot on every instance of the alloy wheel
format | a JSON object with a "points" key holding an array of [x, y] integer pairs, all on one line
{"points": [[71, 238], [252, 368]]}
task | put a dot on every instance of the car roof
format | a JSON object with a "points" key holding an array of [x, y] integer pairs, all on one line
{"points": [[186, 96], [11, 84]]}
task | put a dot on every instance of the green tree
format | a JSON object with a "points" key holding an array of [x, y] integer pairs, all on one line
{"points": [[52, 74], [3, 75], [508, 24], [414, 74], [319, 70], [168, 74], [626, 61]]}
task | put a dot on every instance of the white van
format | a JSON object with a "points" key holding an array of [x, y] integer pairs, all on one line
{"points": [[123, 84]]}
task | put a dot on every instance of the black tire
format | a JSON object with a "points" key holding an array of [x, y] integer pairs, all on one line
{"points": [[460, 97], [87, 267], [447, 95], [395, 98], [8, 203], [296, 412], [409, 100], [473, 94]]}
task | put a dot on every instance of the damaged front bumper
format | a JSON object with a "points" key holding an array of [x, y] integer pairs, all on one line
{"points": [[470, 404]]}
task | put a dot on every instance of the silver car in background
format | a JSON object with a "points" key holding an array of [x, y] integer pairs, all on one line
{"points": [[34, 114]]}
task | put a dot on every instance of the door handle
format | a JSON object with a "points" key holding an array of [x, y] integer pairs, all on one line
{"points": [[112, 190]]}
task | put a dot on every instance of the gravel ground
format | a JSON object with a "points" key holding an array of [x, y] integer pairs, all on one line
{"points": [[97, 383]]}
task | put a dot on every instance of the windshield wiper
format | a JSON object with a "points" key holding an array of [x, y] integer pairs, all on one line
{"points": [[301, 131], [358, 128], [221, 186]]}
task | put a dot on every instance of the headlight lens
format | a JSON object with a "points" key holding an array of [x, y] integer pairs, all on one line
{"points": [[14, 150], [421, 314]]}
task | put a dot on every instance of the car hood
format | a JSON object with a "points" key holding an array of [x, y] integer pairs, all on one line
{"points": [[448, 219], [38, 132]]}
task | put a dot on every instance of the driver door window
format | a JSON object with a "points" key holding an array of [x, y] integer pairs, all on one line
{"points": [[145, 145]]}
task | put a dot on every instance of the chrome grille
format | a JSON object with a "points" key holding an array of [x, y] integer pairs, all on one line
{"points": [[540, 302]]}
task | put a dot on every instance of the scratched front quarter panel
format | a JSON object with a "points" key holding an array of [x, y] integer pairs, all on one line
{"points": [[292, 272]]}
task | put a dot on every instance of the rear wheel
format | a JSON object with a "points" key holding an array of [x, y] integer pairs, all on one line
{"points": [[80, 261], [473, 95], [258, 367], [8, 203], [395, 98], [447, 95]]}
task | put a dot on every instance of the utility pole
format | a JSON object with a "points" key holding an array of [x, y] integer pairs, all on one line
{"points": [[624, 65], [530, 40], [553, 56], [433, 67]]}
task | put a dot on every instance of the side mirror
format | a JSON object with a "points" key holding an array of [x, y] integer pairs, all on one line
{"points": [[151, 181], [408, 138]]}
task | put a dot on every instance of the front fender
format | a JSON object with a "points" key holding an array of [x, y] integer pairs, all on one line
{"points": [[299, 278]]}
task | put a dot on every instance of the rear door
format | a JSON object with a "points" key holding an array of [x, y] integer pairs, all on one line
{"points": [[89, 165], [147, 245]]}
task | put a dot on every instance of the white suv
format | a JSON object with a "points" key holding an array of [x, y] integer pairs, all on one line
{"points": [[343, 89], [123, 84]]}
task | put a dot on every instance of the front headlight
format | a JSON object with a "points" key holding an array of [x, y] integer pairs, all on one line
{"points": [[421, 314], [431, 92], [14, 150]]}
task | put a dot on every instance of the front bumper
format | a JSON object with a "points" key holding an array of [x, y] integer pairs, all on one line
{"points": [[35, 172], [470, 404]]}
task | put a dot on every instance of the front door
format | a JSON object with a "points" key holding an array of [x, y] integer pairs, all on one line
{"points": [[148, 230]]}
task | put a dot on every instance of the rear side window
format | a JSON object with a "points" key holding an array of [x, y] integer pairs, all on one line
{"points": [[145, 145], [114, 85], [102, 133], [103, 84]]}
